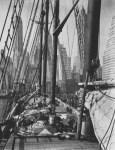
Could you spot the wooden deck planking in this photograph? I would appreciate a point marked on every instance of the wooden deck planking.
(52, 144)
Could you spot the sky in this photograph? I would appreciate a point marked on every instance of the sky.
(70, 42)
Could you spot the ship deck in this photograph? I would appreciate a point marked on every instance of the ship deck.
(48, 143)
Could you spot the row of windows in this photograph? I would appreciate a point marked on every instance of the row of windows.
(112, 39)
(110, 52)
(109, 60)
(108, 75)
(107, 68)
(113, 22)
(112, 43)
(112, 27)
(108, 71)
(106, 63)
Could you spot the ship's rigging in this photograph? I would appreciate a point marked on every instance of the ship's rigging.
(17, 9)
(91, 64)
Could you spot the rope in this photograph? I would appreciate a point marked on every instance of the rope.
(26, 46)
(103, 92)
(95, 77)
(107, 129)
(67, 33)
(5, 19)
(42, 54)
(64, 74)
(35, 40)
(13, 35)
(106, 95)
(26, 32)
(110, 134)
(11, 24)
(29, 21)
(11, 43)
(33, 46)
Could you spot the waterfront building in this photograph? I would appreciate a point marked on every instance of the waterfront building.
(108, 71)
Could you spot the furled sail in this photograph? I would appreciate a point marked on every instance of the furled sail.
(101, 105)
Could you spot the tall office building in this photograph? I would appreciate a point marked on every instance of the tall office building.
(81, 19)
(76, 65)
(25, 68)
(68, 68)
(18, 43)
(66, 62)
(76, 69)
(108, 71)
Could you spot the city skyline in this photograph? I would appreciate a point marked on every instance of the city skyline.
(25, 16)
(107, 12)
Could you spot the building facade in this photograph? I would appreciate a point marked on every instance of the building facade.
(108, 71)
(81, 19)
(18, 44)
(66, 62)
(76, 69)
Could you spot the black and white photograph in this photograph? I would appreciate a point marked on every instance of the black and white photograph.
(57, 74)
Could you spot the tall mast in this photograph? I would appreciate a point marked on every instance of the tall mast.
(56, 31)
(91, 47)
(45, 49)
(54, 58)
(41, 43)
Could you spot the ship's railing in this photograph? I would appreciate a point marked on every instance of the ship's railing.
(65, 105)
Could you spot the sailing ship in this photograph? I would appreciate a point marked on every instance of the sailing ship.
(36, 118)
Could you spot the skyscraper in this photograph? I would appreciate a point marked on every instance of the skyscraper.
(76, 65)
(76, 69)
(68, 68)
(18, 43)
(108, 71)
(66, 62)
(81, 18)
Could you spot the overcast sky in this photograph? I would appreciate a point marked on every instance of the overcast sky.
(107, 12)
